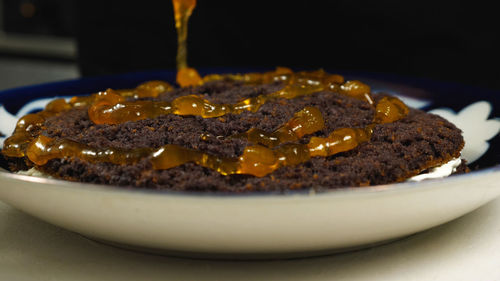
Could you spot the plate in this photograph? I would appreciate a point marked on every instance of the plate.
(265, 225)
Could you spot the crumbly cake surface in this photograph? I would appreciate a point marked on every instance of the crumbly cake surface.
(395, 152)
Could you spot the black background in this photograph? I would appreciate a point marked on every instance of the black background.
(450, 41)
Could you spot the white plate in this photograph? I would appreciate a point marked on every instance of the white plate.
(250, 226)
(263, 225)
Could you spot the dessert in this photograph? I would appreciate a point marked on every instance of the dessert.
(273, 131)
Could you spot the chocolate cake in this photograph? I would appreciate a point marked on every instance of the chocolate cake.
(393, 151)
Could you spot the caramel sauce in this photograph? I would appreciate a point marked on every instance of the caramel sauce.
(186, 76)
(269, 151)
(44, 148)
(148, 89)
(307, 121)
(28, 126)
(389, 109)
(111, 108)
(257, 160)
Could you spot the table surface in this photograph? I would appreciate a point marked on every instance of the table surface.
(30, 249)
(465, 249)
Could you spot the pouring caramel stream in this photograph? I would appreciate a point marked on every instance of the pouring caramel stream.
(186, 76)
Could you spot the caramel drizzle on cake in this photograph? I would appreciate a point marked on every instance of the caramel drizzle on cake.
(28, 127)
(110, 107)
(270, 150)
(257, 160)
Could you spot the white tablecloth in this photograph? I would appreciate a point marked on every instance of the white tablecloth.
(465, 249)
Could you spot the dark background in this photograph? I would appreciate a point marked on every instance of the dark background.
(443, 40)
(440, 39)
